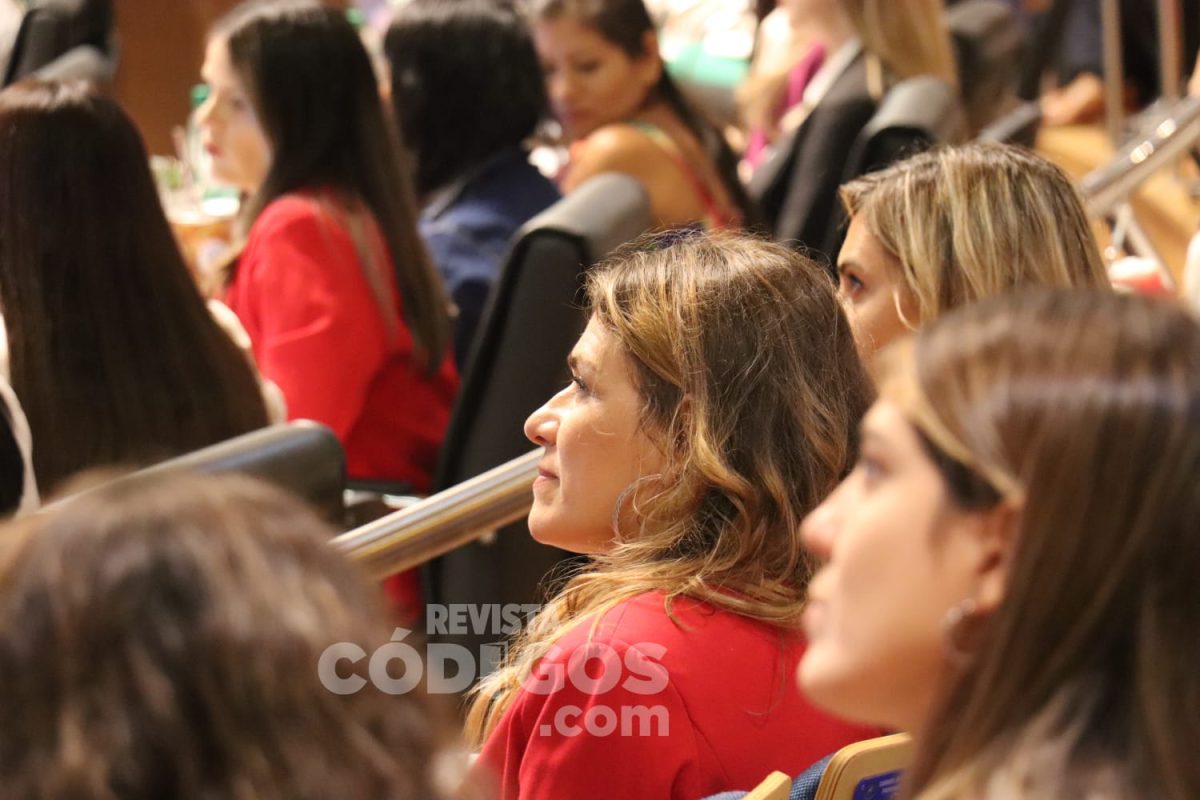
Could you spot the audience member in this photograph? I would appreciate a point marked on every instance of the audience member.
(345, 311)
(827, 38)
(714, 396)
(168, 639)
(622, 112)
(467, 90)
(110, 347)
(1011, 566)
(847, 54)
(952, 226)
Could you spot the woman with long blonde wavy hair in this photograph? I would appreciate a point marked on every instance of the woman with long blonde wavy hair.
(1011, 567)
(713, 403)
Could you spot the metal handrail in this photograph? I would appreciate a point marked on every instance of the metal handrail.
(444, 521)
(1110, 185)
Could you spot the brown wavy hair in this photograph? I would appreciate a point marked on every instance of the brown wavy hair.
(162, 639)
(753, 390)
(1082, 410)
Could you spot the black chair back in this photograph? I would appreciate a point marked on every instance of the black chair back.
(989, 43)
(532, 321)
(302, 457)
(517, 363)
(914, 115)
(64, 40)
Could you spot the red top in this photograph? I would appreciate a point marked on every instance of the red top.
(316, 331)
(658, 711)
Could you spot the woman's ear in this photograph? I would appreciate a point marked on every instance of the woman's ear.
(650, 62)
(997, 531)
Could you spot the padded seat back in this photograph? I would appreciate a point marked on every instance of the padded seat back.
(64, 40)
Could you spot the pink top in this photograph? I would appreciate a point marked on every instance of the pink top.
(798, 80)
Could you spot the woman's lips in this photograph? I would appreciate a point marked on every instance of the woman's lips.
(572, 119)
(544, 476)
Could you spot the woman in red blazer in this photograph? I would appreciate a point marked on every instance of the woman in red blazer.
(345, 312)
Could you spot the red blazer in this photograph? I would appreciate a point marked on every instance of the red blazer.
(661, 709)
(316, 331)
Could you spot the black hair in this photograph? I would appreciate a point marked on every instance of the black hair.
(625, 24)
(466, 84)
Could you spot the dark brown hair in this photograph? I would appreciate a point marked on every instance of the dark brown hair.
(625, 23)
(314, 91)
(113, 353)
(162, 638)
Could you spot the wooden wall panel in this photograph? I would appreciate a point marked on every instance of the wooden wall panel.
(162, 45)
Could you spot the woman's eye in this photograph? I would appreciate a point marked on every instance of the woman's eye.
(850, 285)
(579, 384)
(587, 67)
(871, 469)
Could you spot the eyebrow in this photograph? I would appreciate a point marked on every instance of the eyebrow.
(577, 363)
(867, 434)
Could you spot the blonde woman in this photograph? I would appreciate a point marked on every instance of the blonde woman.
(1011, 566)
(713, 401)
(824, 38)
(846, 54)
(952, 226)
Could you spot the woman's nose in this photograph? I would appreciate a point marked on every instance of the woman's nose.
(819, 528)
(542, 426)
(560, 88)
(204, 112)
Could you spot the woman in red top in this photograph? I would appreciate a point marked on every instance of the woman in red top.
(714, 400)
(343, 307)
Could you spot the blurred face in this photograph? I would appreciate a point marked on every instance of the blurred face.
(872, 290)
(898, 556)
(229, 128)
(595, 447)
(801, 11)
(590, 81)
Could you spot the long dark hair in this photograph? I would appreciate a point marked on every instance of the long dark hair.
(113, 353)
(466, 84)
(625, 24)
(314, 91)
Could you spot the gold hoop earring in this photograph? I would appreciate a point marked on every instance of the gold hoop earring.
(624, 495)
(956, 635)
(900, 312)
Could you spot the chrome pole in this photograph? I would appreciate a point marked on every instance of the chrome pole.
(1114, 69)
(444, 521)
(1170, 48)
